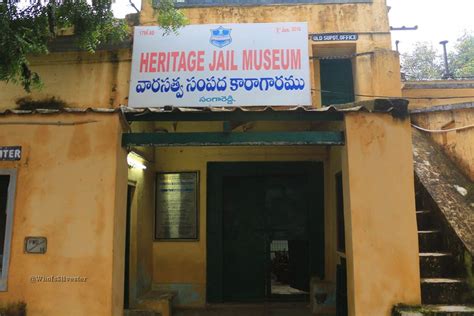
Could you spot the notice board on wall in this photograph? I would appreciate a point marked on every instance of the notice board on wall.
(177, 206)
(250, 64)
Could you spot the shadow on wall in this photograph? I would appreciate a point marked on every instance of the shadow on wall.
(13, 309)
(52, 103)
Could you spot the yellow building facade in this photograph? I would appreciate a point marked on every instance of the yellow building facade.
(72, 185)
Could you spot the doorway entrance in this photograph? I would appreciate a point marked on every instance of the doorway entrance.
(130, 193)
(337, 82)
(265, 230)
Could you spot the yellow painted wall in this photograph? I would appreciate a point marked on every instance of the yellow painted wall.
(70, 186)
(80, 79)
(357, 17)
(426, 94)
(182, 265)
(379, 211)
(458, 145)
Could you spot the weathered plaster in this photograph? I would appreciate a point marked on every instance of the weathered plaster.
(69, 190)
(379, 211)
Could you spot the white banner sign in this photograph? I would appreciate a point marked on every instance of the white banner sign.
(221, 65)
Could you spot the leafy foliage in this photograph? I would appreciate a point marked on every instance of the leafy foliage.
(169, 18)
(462, 60)
(27, 28)
(425, 63)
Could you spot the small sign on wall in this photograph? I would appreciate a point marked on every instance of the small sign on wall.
(177, 206)
(335, 37)
(36, 245)
(10, 153)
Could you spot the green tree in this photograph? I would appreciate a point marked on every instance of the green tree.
(422, 63)
(462, 59)
(425, 63)
(26, 29)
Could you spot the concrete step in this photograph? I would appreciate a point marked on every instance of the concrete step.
(434, 310)
(430, 241)
(444, 291)
(250, 309)
(424, 220)
(437, 265)
(139, 312)
(160, 302)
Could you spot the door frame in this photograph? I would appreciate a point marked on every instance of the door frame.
(131, 190)
(216, 171)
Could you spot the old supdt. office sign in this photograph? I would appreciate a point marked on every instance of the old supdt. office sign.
(221, 65)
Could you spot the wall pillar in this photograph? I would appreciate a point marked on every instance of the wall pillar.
(377, 75)
(379, 211)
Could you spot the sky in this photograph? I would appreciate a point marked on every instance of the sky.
(437, 20)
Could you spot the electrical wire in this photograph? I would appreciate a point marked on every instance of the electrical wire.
(58, 123)
(398, 97)
(442, 130)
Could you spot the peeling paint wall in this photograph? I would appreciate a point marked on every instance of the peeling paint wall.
(70, 189)
(358, 17)
(80, 79)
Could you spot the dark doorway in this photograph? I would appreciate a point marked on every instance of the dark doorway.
(126, 297)
(265, 230)
(244, 240)
(4, 183)
(337, 84)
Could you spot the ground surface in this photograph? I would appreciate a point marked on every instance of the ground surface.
(264, 309)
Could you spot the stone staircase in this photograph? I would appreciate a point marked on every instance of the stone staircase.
(444, 288)
(442, 280)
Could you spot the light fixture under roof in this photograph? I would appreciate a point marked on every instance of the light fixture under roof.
(135, 161)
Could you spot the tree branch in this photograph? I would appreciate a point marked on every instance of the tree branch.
(134, 6)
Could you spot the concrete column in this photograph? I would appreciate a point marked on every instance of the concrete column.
(379, 210)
